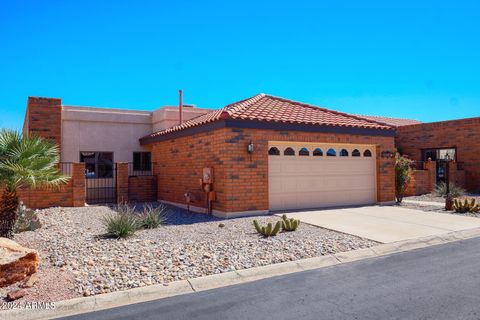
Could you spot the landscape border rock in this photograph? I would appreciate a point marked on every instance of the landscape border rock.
(16, 262)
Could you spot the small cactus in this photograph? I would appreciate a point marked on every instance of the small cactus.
(465, 206)
(289, 224)
(269, 230)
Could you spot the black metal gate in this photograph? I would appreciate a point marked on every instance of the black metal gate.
(101, 190)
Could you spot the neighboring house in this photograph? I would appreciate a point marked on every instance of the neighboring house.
(263, 153)
(457, 140)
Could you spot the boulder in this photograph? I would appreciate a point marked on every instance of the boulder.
(16, 262)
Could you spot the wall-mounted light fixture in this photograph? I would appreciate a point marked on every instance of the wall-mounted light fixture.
(250, 147)
(387, 154)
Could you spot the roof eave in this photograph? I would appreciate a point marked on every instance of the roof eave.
(269, 125)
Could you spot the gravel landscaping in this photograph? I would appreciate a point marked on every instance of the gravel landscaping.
(434, 198)
(430, 197)
(78, 260)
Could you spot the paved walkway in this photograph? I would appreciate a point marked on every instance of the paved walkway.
(386, 224)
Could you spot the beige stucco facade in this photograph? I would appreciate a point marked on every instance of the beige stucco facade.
(114, 130)
(167, 117)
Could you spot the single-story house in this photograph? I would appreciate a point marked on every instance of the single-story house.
(261, 154)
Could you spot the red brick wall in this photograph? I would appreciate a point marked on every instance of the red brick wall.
(463, 134)
(44, 118)
(70, 195)
(241, 179)
(418, 183)
(456, 176)
(122, 181)
(142, 188)
(422, 181)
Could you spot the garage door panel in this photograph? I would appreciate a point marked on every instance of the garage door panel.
(298, 182)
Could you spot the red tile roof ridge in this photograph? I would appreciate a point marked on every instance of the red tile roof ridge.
(238, 110)
(390, 120)
(324, 109)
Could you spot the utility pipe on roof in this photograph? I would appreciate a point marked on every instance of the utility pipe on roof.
(180, 105)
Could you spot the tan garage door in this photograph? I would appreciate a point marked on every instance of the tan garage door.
(309, 175)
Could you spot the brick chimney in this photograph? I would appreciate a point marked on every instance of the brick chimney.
(44, 118)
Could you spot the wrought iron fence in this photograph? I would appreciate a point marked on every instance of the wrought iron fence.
(143, 169)
(101, 190)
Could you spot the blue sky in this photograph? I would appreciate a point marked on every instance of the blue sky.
(416, 59)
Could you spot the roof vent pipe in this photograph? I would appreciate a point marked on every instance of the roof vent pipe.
(180, 105)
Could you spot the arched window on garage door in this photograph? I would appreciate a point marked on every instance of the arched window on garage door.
(318, 152)
(367, 153)
(356, 153)
(289, 152)
(343, 153)
(273, 151)
(304, 152)
(331, 153)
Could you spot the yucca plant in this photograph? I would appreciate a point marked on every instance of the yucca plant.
(153, 217)
(123, 221)
(25, 162)
(455, 191)
(121, 224)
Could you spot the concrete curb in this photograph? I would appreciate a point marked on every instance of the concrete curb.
(131, 296)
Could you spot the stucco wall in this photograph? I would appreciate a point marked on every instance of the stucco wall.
(110, 130)
(114, 130)
(167, 117)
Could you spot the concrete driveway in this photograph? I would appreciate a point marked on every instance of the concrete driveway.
(386, 224)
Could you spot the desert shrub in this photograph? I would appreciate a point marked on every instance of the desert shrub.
(403, 173)
(455, 191)
(27, 219)
(153, 217)
(125, 208)
(122, 223)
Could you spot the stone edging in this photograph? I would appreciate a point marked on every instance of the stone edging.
(149, 293)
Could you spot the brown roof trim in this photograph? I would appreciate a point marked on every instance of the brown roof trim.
(250, 124)
(471, 120)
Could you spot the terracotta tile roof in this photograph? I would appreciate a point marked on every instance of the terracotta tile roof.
(268, 108)
(396, 122)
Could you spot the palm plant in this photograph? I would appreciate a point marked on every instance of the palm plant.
(25, 162)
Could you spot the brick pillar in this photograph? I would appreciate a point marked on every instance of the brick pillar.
(122, 181)
(457, 177)
(43, 118)
(431, 167)
(79, 187)
(385, 177)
